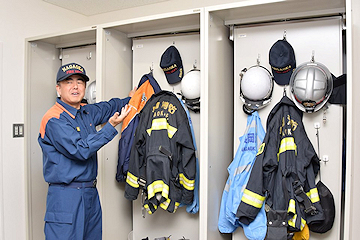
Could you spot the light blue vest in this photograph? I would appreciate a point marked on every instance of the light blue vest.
(239, 173)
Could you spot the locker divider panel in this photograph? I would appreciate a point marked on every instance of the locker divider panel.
(220, 118)
(115, 82)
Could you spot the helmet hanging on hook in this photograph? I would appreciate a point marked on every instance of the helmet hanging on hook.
(311, 85)
(190, 89)
(256, 87)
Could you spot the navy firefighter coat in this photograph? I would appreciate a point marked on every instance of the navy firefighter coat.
(286, 162)
(162, 155)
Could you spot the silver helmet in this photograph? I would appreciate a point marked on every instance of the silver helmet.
(311, 85)
(256, 86)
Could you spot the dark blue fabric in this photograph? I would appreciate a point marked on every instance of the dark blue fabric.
(70, 141)
(73, 214)
(127, 135)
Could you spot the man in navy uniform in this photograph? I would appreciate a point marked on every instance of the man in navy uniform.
(70, 141)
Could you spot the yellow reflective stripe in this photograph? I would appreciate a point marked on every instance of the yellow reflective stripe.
(177, 204)
(253, 199)
(303, 223)
(188, 184)
(291, 207)
(292, 221)
(148, 209)
(261, 149)
(171, 130)
(162, 124)
(158, 186)
(164, 205)
(132, 180)
(313, 195)
(287, 144)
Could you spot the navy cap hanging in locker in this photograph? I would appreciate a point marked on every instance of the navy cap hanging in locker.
(282, 61)
(171, 64)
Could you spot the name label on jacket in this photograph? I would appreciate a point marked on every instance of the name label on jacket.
(162, 109)
(288, 128)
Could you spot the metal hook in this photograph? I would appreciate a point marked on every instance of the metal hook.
(312, 56)
(284, 93)
(284, 35)
(324, 113)
(194, 65)
(258, 60)
(89, 57)
(152, 68)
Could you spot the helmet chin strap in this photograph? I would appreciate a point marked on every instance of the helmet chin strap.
(247, 110)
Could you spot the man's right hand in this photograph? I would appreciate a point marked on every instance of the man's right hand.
(118, 118)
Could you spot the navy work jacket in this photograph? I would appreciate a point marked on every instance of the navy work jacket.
(69, 139)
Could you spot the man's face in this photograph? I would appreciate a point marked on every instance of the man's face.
(72, 90)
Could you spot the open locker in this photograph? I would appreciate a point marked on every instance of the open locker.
(146, 42)
(254, 29)
(44, 57)
(307, 38)
(202, 42)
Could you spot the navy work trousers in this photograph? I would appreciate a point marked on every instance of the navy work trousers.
(73, 213)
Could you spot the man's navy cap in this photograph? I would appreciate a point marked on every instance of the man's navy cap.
(70, 69)
(171, 64)
(282, 61)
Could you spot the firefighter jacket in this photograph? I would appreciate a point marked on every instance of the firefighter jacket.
(162, 157)
(146, 88)
(286, 163)
(69, 139)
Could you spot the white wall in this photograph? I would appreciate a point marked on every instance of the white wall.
(18, 20)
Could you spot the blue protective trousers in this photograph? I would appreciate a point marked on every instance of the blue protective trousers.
(73, 214)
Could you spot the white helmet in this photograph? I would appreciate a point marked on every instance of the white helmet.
(256, 86)
(311, 85)
(90, 94)
(190, 84)
(190, 89)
